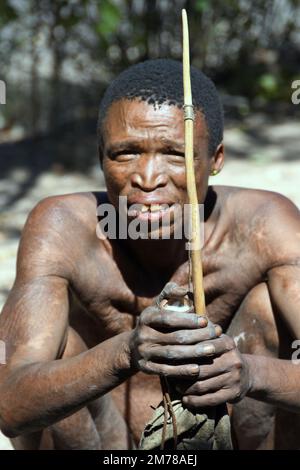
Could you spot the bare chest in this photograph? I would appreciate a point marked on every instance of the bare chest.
(115, 297)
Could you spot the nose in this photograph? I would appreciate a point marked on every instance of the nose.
(149, 174)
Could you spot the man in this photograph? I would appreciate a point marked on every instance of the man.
(86, 340)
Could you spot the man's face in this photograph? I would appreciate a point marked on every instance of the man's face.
(143, 157)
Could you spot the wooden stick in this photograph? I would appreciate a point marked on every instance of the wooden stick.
(197, 274)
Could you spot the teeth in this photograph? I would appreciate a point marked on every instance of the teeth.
(155, 207)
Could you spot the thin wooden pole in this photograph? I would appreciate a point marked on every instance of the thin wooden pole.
(195, 245)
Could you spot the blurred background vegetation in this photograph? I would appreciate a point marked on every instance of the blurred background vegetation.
(56, 58)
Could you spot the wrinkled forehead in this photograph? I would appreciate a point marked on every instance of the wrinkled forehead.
(137, 118)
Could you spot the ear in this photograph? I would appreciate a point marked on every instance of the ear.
(217, 161)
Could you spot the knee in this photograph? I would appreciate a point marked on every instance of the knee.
(257, 298)
(254, 325)
(74, 344)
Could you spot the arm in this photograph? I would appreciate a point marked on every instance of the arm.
(277, 381)
(229, 376)
(36, 388)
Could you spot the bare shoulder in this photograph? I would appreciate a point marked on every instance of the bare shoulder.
(65, 209)
(244, 202)
(268, 219)
(267, 205)
(57, 231)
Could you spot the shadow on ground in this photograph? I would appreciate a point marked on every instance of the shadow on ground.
(72, 147)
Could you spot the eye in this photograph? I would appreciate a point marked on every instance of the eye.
(124, 155)
(178, 154)
(175, 156)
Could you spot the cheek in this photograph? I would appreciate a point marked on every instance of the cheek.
(201, 175)
(178, 176)
(202, 171)
(115, 176)
(202, 167)
(177, 181)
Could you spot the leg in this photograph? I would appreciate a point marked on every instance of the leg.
(96, 426)
(257, 329)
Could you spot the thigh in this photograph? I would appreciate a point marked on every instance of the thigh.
(257, 329)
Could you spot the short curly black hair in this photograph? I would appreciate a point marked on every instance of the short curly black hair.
(160, 81)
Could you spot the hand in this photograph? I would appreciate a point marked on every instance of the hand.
(224, 379)
(170, 343)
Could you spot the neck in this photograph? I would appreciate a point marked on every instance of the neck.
(211, 212)
(166, 255)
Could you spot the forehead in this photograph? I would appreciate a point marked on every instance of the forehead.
(139, 119)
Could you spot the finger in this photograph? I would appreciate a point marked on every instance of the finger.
(218, 329)
(209, 368)
(178, 353)
(207, 386)
(187, 352)
(220, 345)
(194, 402)
(176, 298)
(215, 366)
(172, 291)
(187, 370)
(188, 336)
(156, 318)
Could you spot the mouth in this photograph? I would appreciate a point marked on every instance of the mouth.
(150, 212)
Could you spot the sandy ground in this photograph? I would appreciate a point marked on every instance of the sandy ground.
(262, 155)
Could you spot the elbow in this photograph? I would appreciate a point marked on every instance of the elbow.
(8, 428)
(14, 417)
(13, 428)
(14, 423)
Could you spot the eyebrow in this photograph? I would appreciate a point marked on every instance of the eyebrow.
(124, 145)
(137, 145)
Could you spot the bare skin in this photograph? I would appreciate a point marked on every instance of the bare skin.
(85, 341)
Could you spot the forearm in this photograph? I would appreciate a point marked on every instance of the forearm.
(37, 395)
(275, 381)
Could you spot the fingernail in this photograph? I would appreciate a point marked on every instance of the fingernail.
(202, 321)
(212, 331)
(209, 349)
(181, 288)
(206, 349)
(218, 330)
(195, 369)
